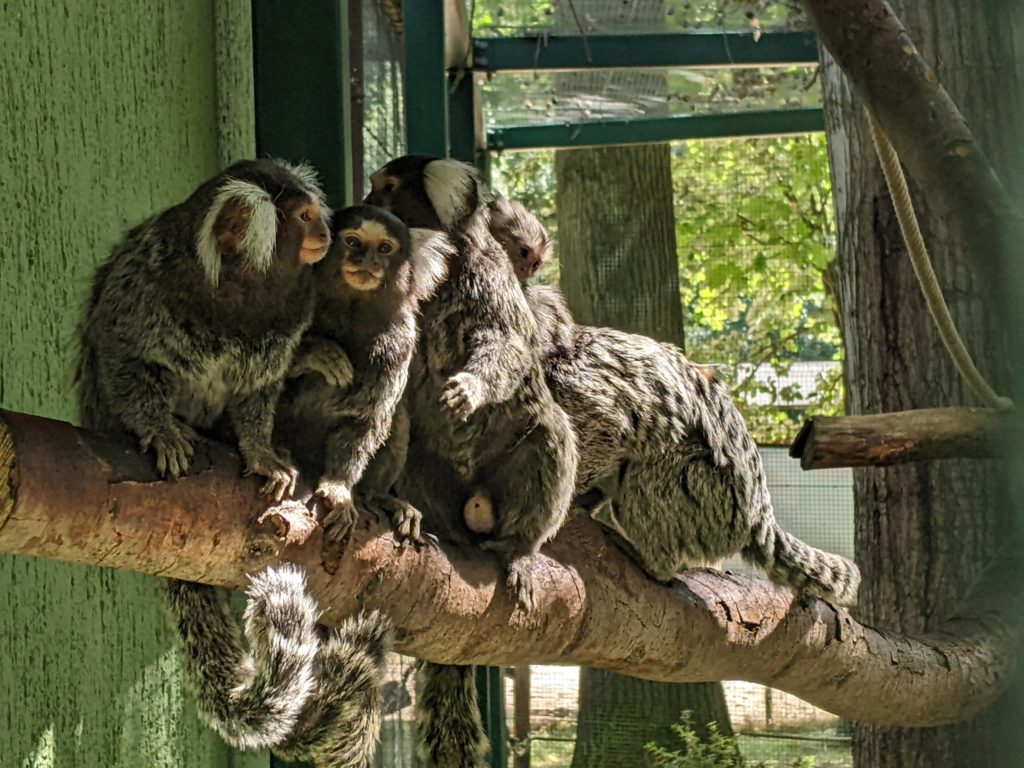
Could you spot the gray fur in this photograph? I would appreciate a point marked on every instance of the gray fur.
(345, 435)
(498, 431)
(307, 692)
(171, 344)
(449, 733)
(682, 479)
(497, 428)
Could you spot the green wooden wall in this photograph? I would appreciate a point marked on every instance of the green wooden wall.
(108, 111)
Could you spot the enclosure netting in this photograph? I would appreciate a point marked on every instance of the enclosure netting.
(755, 242)
(547, 97)
(383, 130)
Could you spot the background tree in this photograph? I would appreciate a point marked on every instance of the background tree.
(619, 268)
(924, 531)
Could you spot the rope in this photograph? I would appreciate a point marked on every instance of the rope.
(909, 227)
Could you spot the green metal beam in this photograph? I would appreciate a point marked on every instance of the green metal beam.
(656, 129)
(426, 81)
(490, 689)
(667, 49)
(301, 85)
(463, 108)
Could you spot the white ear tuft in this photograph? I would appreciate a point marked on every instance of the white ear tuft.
(453, 189)
(308, 176)
(260, 236)
(430, 253)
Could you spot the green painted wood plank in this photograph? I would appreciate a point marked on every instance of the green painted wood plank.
(426, 82)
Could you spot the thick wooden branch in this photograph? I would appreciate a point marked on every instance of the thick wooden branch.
(72, 495)
(924, 125)
(880, 440)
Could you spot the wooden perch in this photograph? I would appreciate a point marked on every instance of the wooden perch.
(72, 495)
(884, 439)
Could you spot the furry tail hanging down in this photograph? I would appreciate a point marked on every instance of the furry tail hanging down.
(449, 732)
(252, 699)
(806, 569)
(308, 692)
(340, 725)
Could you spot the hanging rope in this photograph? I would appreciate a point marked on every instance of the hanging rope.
(897, 184)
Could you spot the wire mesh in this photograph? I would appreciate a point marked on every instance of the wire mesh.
(755, 239)
(383, 129)
(574, 17)
(548, 97)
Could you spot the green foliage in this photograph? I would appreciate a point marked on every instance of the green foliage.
(712, 751)
(755, 235)
(754, 228)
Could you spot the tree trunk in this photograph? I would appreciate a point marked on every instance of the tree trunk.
(619, 268)
(923, 531)
(617, 239)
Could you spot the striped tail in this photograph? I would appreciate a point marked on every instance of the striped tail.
(796, 564)
(252, 699)
(448, 727)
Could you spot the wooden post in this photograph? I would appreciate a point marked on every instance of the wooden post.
(522, 716)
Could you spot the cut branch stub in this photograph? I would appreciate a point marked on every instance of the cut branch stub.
(72, 495)
(880, 440)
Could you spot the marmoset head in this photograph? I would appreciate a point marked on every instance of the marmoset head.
(429, 192)
(372, 245)
(521, 235)
(259, 215)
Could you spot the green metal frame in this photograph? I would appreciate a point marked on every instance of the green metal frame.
(667, 49)
(657, 129)
(300, 63)
(426, 83)
(490, 691)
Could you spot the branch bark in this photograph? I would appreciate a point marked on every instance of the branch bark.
(72, 495)
(928, 131)
(881, 440)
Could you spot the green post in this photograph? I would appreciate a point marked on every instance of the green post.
(463, 108)
(302, 88)
(490, 689)
(426, 83)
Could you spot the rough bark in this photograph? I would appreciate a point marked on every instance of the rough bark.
(924, 531)
(921, 95)
(619, 268)
(615, 224)
(905, 436)
(70, 495)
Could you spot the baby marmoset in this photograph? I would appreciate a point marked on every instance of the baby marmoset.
(191, 324)
(683, 480)
(497, 426)
(368, 292)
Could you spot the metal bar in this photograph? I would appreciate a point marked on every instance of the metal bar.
(462, 111)
(300, 69)
(357, 103)
(656, 129)
(426, 82)
(490, 688)
(663, 49)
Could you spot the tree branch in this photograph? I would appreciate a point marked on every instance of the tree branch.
(72, 495)
(930, 135)
(881, 440)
